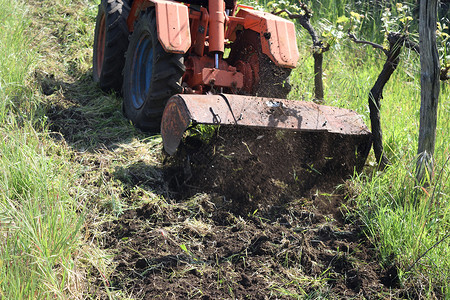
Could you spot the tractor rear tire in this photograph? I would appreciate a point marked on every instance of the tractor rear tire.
(151, 75)
(273, 79)
(110, 44)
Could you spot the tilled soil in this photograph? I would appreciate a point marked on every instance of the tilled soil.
(228, 234)
(213, 254)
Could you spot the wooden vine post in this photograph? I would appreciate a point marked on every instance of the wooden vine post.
(429, 81)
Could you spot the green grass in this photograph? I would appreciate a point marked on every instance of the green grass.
(403, 219)
(38, 219)
(17, 58)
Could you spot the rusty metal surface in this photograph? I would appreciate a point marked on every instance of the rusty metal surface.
(176, 119)
(277, 35)
(172, 20)
(183, 110)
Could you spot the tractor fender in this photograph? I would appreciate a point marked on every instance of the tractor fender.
(278, 36)
(172, 22)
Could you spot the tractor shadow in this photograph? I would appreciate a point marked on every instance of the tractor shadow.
(111, 149)
(87, 118)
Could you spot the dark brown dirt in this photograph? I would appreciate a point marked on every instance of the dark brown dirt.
(298, 251)
(262, 169)
(244, 226)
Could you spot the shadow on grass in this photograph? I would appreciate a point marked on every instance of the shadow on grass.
(91, 122)
(87, 118)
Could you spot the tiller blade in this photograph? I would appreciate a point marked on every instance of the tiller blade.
(185, 109)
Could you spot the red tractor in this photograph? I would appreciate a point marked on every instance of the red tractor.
(205, 61)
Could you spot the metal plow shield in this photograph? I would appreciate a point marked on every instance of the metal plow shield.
(183, 110)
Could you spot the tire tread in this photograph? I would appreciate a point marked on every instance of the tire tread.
(116, 44)
(168, 69)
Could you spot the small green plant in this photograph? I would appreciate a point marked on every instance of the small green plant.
(204, 132)
(294, 8)
(184, 248)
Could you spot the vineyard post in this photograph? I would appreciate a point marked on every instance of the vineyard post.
(429, 80)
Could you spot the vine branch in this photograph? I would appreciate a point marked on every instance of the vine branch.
(318, 47)
(396, 42)
(374, 45)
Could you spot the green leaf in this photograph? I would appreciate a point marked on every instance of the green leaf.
(342, 19)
